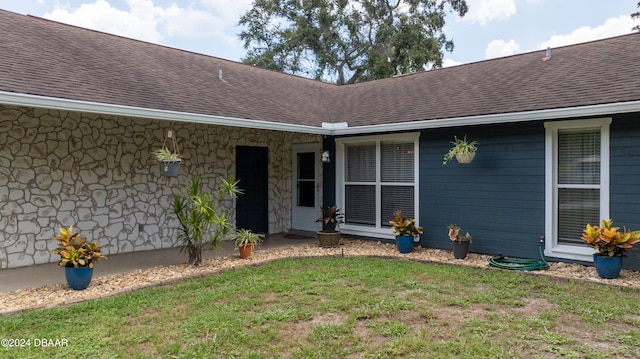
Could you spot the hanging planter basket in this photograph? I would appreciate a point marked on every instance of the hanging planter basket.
(465, 157)
(169, 168)
(169, 159)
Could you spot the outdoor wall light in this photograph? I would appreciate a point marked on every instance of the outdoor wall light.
(325, 157)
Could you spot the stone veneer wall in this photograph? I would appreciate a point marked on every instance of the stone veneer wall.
(97, 172)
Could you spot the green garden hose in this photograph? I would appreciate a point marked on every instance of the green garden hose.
(518, 263)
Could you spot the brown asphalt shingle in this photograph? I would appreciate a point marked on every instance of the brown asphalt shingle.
(47, 58)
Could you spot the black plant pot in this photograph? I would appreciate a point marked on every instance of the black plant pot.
(460, 249)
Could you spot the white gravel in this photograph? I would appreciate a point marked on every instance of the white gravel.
(57, 295)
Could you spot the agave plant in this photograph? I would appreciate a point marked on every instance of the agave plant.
(609, 241)
(74, 250)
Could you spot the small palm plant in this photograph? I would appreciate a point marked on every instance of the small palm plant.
(201, 217)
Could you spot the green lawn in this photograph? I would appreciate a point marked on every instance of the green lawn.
(342, 307)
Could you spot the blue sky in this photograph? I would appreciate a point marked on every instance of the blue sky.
(492, 28)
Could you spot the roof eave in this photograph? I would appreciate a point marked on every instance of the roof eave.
(526, 116)
(17, 99)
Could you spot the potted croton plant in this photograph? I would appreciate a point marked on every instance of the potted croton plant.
(405, 230)
(331, 217)
(610, 244)
(459, 242)
(463, 151)
(77, 256)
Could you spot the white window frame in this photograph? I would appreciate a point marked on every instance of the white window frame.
(378, 230)
(552, 247)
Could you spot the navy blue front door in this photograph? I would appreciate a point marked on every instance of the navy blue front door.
(252, 171)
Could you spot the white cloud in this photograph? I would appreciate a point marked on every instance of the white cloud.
(446, 62)
(148, 22)
(485, 11)
(612, 27)
(501, 48)
(101, 16)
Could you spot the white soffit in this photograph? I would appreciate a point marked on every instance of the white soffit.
(110, 109)
(337, 128)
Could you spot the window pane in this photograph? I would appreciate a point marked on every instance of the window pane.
(576, 208)
(361, 163)
(360, 204)
(306, 165)
(306, 194)
(396, 197)
(579, 157)
(396, 162)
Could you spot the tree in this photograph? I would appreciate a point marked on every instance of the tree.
(347, 41)
(635, 16)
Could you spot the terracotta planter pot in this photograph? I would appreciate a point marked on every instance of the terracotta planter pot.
(246, 251)
(329, 239)
(460, 249)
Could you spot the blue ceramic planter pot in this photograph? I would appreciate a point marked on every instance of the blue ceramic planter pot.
(607, 267)
(78, 278)
(169, 168)
(404, 244)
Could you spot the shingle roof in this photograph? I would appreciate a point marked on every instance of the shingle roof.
(47, 58)
(598, 72)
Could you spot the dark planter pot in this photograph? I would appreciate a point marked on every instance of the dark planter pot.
(460, 249)
(169, 168)
(607, 267)
(404, 244)
(246, 250)
(78, 278)
(329, 239)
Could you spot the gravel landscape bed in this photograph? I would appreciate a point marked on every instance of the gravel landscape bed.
(57, 295)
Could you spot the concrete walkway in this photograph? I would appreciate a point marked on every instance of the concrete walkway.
(49, 274)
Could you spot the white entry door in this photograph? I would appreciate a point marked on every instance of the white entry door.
(305, 187)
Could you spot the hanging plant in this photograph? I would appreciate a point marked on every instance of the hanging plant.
(462, 150)
(168, 159)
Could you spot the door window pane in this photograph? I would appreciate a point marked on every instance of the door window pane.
(306, 181)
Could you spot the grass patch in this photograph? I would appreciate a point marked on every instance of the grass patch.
(343, 307)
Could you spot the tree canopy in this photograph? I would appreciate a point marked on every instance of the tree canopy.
(347, 41)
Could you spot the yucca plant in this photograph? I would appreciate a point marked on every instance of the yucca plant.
(201, 217)
(609, 241)
(74, 250)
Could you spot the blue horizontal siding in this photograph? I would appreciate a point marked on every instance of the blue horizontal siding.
(498, 198)
(625, 178)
